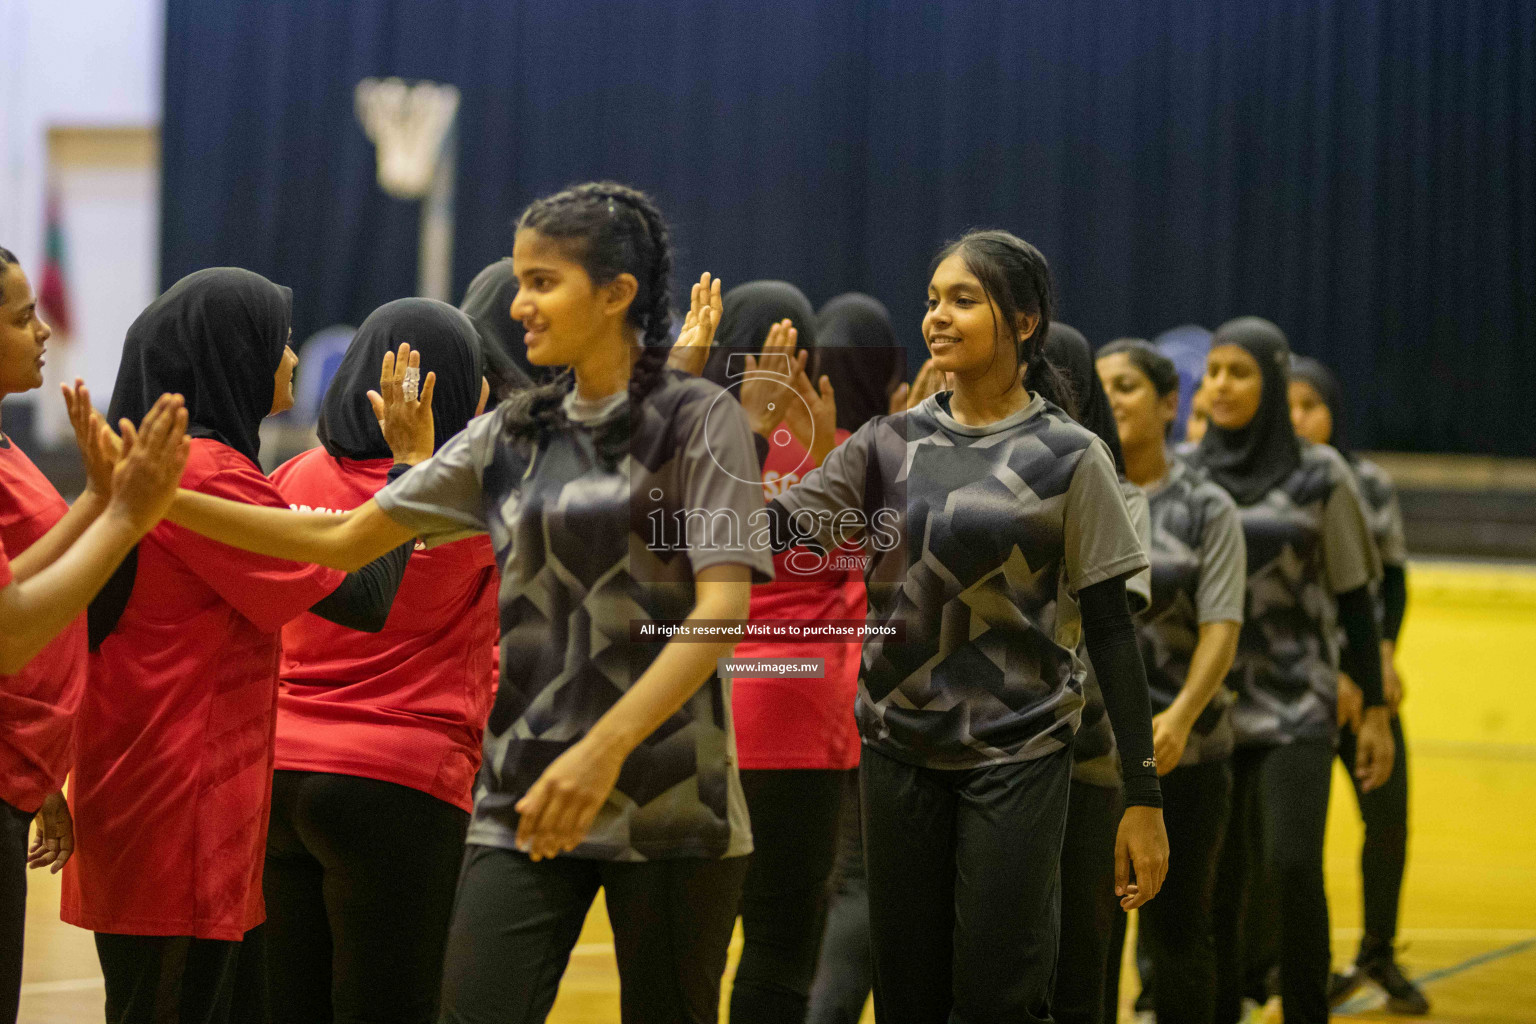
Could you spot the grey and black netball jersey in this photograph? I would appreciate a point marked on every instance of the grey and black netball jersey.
(1307, 540)
(583, 568)
(1382, 511)
(973, 533)
(1199, 569)
(1095, 755)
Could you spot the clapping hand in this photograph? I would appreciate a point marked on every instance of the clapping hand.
(87, 424)
(765, 394)
(705, 308)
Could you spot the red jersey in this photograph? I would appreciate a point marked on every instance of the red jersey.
(173, 778)
(37, 704)
(801, 723)
(406, 704)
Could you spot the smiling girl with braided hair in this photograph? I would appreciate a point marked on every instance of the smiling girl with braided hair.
(609, 758)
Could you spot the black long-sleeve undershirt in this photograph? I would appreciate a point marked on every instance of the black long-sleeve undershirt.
(1394, 596)
(1110, 637)
(1362, 651)
(363, 599)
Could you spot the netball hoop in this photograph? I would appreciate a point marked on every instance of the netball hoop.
(412, 128)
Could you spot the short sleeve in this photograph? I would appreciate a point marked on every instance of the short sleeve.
(441, 499)
(5, 567)
(267, 591)
(1223, 564)
(1138, 589)
(720, 473)
(1389, 527)
(835, 486)
(1099, 540)
(1349, 552)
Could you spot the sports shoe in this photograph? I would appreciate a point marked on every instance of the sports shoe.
(1403, 996)
(1342, 986)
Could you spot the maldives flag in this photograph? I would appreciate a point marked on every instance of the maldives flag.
(52, 292)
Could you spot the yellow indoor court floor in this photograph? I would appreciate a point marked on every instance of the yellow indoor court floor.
(1468, 931)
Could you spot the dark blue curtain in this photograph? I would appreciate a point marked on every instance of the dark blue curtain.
(1362, 173)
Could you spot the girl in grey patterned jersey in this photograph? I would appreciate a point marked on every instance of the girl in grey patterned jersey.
(1310, 562)
(1315, 397)
(1188, 640)
(609, 756)
(1004, 507)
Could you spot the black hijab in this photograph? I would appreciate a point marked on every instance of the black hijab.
(216, 337)
(450, 347)
(1327, 387)
(1252, 461)
(750, 309)
(856, 347)
(1069, 352)
(488, 303)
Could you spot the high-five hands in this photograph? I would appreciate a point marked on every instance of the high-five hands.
(404, 416)
(705, 308)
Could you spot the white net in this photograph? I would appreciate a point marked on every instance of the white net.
(408, 125)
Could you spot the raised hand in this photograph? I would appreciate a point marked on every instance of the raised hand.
(705, 308)
(765, 393)
(87, 423)
(813, 419)
(930, 381)
(150, 462)
(404, 417)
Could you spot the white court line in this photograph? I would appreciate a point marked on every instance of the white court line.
(1434, 934)
(46, 988)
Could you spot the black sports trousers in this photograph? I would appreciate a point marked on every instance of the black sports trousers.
(1177, 926)
(177, 979)
(359, 883)
(15, 825)
(964, 888)
(1273, 856)
(844, 973)
(515, 923)
(784, 898)
(1384, 851)
(1088, 902)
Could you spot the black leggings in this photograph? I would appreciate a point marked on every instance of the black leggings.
(359, 886)
(515, 923)
(14, 828)
(1272, 866)
(784, 898)
(964, 888)
(176, 979)
(1177, 927)
(1088, 902)
(844, 974)
(1384, 853)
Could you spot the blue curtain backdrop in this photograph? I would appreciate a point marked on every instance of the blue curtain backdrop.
(1363, 173)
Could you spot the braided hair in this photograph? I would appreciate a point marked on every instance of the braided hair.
(1016, 279)
(610, 229)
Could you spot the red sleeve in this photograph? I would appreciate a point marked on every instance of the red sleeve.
(267, 591)
(5, 567)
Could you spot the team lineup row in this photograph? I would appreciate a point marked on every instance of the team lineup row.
(362, 740)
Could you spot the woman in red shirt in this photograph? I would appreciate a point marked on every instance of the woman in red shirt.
(62, 556)
(378, 734)
(173, 771)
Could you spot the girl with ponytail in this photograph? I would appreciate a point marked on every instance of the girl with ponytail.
(997, 537)
(609, 496)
